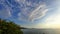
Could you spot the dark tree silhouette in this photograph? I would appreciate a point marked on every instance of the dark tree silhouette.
(9, 27)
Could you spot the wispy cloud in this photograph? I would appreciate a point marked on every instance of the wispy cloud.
(30, 14)
(38, 12)
(52, 21)
(26, 10)
(4, 11)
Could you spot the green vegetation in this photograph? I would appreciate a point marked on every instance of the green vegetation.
(8, 27)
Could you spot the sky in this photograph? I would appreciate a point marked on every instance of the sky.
(32, 13)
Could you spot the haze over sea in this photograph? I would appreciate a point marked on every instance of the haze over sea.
(41, 31)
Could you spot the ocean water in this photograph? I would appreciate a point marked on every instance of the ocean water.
(41, 31)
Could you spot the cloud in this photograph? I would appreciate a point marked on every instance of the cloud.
(26, 10)
(38, 12)
(33, 11)
(4, 11)
(52, 21)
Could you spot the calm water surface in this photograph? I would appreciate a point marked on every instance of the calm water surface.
(41, 31)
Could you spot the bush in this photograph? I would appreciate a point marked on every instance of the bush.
(9, 28)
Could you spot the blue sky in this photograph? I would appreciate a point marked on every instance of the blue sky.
(31, 13)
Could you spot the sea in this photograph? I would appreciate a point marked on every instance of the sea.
(41, 31)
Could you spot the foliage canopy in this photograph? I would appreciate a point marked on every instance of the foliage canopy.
(9, 27)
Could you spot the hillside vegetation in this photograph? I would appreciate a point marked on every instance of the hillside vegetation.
(8, 27)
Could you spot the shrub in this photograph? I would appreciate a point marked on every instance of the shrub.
(9, 27)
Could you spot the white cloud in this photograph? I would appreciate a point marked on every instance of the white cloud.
(38, 12)
(5, 14)
(34, 13)
(52, 21)
(20, 1)
(30, 11)
(5, 11)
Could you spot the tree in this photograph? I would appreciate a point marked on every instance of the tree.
(9, 27)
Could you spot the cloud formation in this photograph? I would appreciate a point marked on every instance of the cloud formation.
(26, 10)
(38, 12)
(4, 10)
(33, 11)
(52, 21)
